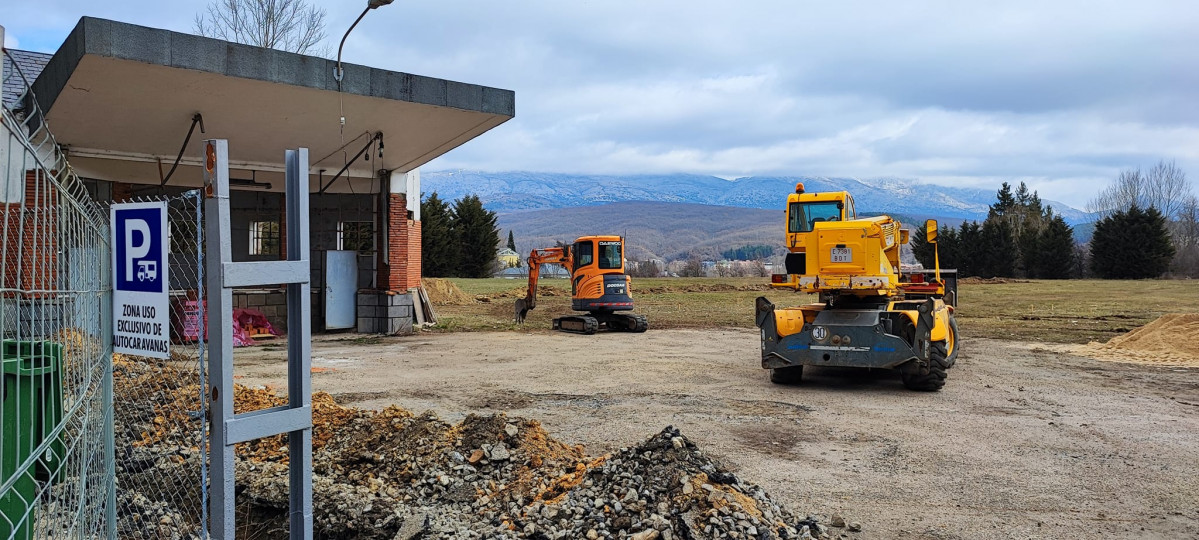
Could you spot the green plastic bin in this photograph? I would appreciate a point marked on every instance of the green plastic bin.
(30, 408)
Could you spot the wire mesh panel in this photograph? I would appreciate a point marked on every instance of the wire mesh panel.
(160, 406)
(56, 454)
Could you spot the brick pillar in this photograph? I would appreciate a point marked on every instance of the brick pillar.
(402, 270)
(32, 233)
(121, 192)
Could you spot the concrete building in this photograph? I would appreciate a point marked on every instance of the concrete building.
(122, 99)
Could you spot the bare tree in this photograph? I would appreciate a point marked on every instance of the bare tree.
(1184, 232)
(289, 25)
(1164, 187)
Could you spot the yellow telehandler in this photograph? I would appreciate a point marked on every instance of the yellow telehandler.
(870, 314)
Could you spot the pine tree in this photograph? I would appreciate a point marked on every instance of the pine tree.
(998, 257)
(1028, 245)
(439, 250)
(1054, 254)
(1004, 204)
(922, 249)
(1133, 244)
(968, 256)
(477, 237)
(511, 241)
(948, 246)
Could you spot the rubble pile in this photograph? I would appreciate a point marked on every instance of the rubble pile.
(157, 442)
(393, 474)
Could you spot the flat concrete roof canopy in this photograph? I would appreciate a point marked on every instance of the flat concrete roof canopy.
(121, 97)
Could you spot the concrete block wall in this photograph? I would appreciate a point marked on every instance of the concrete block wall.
(384, 313)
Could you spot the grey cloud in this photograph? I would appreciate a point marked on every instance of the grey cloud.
(1062, 94)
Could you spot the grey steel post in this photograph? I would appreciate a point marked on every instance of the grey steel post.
(226, 429)
(299, 346)
(218, 251)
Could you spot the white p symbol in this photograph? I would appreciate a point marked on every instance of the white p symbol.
(138, 251)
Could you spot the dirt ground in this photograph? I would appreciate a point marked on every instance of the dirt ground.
(1025, 441)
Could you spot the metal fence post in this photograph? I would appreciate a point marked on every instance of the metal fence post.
(110, 455)
(299, 346)
(220, 339)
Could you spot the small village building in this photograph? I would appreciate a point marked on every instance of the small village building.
(508, 258)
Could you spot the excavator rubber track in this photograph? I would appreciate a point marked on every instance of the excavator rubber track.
(579, 324)
(628, 323)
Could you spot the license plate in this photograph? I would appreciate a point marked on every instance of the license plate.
(841, 255)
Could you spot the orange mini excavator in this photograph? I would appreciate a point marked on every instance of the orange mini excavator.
(598, 284)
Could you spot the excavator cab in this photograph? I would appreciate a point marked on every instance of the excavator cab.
(598, 281)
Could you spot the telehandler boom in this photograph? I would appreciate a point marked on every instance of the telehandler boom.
(870, 314)
(598, 284)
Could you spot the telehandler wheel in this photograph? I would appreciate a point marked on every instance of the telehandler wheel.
(786, 375)
(932, 381)
(954, 344)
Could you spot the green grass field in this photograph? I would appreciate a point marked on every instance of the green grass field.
(1075, 311)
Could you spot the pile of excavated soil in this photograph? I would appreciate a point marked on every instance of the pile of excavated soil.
(520, 292)
(701, 288)
(975, 280)
(393, 474)
(443, 292)
(1171, 340)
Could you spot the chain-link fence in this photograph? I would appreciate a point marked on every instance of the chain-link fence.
(56, 453)
(160, 407)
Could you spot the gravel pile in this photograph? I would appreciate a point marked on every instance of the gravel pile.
(393, 475)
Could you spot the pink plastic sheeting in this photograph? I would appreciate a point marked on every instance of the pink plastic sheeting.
(243, 317)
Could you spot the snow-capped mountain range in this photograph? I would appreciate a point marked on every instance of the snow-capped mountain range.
(508, 192)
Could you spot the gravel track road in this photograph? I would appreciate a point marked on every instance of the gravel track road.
(1025, 441)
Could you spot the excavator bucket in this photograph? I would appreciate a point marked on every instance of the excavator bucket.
(521, 310)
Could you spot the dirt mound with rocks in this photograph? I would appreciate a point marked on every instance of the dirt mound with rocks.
(975, 280)
(520, 292)
(444, 292)
(392, 474)
(701, 288)
(1171, 340)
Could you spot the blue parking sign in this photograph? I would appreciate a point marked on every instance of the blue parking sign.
(141, 280)
(139, 242)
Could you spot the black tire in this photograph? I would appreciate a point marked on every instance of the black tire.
(957, 342)
(786, 375)
(934, 380)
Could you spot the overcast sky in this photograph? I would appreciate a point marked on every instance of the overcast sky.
(1062, 95)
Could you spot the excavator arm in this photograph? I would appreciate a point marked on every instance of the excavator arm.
(538, 257)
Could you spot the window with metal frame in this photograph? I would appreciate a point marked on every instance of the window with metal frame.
(583, 254)
(264, 238)
(804, 216)
(356, 236)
